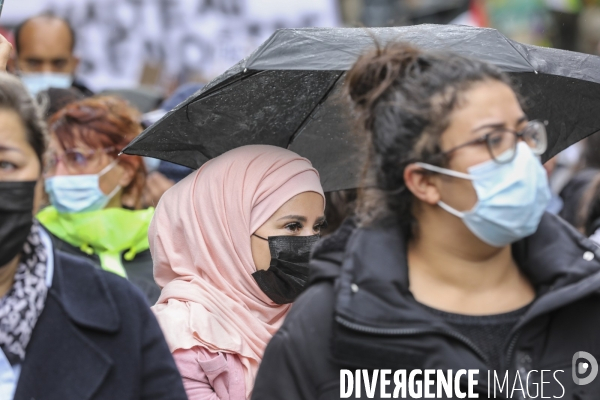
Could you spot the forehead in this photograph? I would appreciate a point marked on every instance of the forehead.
(488, 100)
(45, 36)
(12, 130)
(69, 142)
(305, 204)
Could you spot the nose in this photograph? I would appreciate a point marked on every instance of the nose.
(60, 168)
(308, 231)
(46, 68)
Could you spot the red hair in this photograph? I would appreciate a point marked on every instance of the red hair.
(101, 123)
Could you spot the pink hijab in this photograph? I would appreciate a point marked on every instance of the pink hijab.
(200, 244)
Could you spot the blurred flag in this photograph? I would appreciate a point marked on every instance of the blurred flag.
(479, 13)
(476, 16)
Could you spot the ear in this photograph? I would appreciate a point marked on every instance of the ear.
(75, 61)
(422, 184)
(11, 65)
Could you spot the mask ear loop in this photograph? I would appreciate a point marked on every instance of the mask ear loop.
(451, 210)
(110, 166)
(444, 171)
(114, 191)
(106, 170)
(448, 172)
(260, 237)
(439, 170)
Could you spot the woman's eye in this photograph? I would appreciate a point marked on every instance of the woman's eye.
(77, 159)
(7, 166)
(294, 227)
(320, 226)
(495, 139)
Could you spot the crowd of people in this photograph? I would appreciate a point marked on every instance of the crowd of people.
(130, 278)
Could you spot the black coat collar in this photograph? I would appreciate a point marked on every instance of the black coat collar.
(85, 297)
(61, 362)
(562, 265)
(373, 297)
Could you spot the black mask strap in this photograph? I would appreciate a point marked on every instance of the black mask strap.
(260, 237)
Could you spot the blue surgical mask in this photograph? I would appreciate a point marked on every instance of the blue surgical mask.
(38, 82)
(79, 193)
(511, 197)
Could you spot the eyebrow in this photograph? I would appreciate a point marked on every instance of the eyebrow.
(499, 125)
(300, 218)
(8, 148)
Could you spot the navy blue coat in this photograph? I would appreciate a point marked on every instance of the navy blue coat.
(96, 339)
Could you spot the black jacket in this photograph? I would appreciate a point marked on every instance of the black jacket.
(358, 313)
(573, 192)
(96, 339)
(139, 270)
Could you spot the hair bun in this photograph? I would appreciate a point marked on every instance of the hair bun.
(376, 71)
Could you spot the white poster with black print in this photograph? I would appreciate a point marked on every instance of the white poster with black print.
(186, 38)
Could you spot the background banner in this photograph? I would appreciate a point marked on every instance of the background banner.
(125, 42)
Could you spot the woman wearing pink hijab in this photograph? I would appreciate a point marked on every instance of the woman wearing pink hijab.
(230, 245)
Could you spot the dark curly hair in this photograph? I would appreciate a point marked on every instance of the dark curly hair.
(403, 98)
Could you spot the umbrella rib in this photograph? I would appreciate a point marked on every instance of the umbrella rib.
(518, 52)
(222, 85)
(305, 120)
(201, 149)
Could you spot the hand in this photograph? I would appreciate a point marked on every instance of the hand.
(156, 185)
(5, 52)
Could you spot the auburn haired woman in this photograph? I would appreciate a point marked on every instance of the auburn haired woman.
(95, 194)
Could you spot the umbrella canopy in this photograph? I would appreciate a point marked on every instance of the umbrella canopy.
(288, 94)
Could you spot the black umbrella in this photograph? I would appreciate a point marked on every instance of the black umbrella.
(287, 94)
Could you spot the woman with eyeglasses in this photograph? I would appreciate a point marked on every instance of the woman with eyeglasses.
(95, 194)
(68, 330)
(451, 264)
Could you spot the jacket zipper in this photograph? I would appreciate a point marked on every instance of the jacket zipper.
(511, 349)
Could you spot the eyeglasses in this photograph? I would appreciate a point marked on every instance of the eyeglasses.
(74, 160)
(501, 143)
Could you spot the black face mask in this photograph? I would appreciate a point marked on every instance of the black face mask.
(288, 272)
(16, 218)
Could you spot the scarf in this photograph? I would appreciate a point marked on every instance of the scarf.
(200, 242)
(21, 307)
(107, 233)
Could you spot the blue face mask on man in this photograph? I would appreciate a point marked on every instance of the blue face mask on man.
(38, 82)
(511, 197)
(79, 193)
